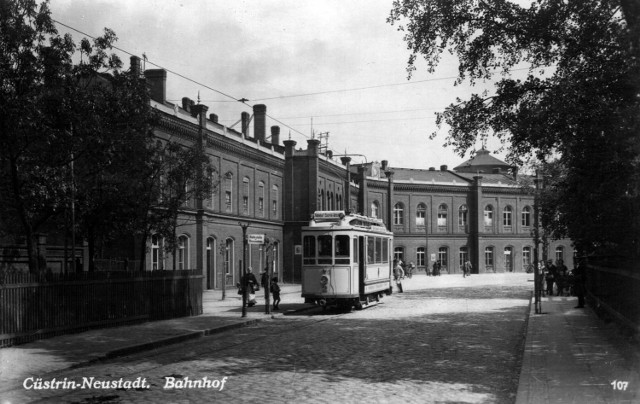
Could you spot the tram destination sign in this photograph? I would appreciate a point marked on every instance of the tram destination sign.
(255, 238)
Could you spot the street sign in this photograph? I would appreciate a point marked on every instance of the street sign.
(255, 238)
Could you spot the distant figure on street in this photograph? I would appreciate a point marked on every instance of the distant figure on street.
(264, 279)
(250, 282)
(410, 269)
(275, 291)
(579, 281)
(398, 274)
(550, 276)
(436, 268)
(467, 269)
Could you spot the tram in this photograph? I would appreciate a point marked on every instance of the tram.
(346, 260)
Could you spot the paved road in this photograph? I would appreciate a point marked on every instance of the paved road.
(437, 345)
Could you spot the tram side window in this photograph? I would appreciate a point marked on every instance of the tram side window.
(385, 250)
(342, 249)
(356, 252)
(378, 250)
(325, 249)
(371, 243)
(309, 249)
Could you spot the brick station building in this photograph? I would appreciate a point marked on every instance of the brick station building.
(478, 210)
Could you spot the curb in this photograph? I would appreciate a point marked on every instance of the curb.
(133, 349)
(137, 348)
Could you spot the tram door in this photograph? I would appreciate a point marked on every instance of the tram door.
(359, 249)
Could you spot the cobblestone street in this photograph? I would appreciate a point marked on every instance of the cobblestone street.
(457, 344)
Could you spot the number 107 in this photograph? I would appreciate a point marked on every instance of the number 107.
(619, 385)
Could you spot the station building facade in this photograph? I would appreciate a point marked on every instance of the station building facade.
(478, 211)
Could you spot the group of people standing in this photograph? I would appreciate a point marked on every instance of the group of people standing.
(249, 280)
(564, 282)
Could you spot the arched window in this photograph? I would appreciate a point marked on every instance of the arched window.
(526, 258)
(442, 217)
(526, 216)
(488, 216)
(398, 214)
(246, 185)
(420, 256)
(156, 253)
(183, 252)
(228, 192)
(375, 209)
(443, 258)
(506, 217)
(421, 214)
(228, 257)
(275, 197)
(261, 199)
(488, 259)
(322, 200)
(463, 212)
(210, 263)
(464, 256)
(398, 253)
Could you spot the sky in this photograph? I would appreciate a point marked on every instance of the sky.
(330, 66)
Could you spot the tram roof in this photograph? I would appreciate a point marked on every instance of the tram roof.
(338, 218)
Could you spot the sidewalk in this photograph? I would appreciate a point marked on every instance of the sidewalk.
(571, 356)
(73, 350)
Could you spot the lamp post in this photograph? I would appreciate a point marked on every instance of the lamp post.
(243, 278)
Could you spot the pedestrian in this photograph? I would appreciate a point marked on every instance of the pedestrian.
(550, 277)
(579, 279)
(467, 269)
(250, 282)
(410, 269)
(398, 274)
(563, 277)
(275, 291)
(264, 279)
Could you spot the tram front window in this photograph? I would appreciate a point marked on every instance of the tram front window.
(309, 249)
(342, 249)
(325, 244)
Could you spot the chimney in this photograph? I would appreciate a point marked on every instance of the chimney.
(135, 66)
(275, 135)
(443, 168)
(187, 103)
(244, 117)
(157, 83)
(432, 169)
(259, 116)
(329, 154)
(514, 171)
(213, 118)
(384, 164)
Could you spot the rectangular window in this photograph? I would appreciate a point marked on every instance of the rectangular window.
(371, 248)
(261, 206)
(378, 250)
(385, 250)
(356, 252)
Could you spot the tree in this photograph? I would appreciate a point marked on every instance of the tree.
(32, 189)
(79, 137)
(577, 113)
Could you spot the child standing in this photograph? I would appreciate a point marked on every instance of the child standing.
(275, 290)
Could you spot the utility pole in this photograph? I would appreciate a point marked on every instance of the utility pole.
(243, 279)
(536, 242)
